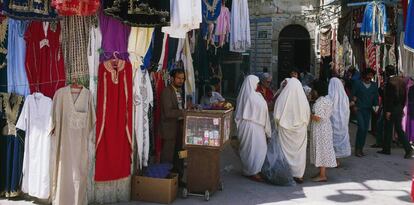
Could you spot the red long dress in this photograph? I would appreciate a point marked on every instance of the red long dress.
(114, 121)
(44, 59)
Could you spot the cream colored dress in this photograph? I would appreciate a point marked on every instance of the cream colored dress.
(73, 120)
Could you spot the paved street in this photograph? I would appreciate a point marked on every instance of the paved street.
(374, 179)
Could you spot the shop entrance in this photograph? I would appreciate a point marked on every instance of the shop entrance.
(294, 50)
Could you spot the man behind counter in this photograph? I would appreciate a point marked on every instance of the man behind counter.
(172, 112)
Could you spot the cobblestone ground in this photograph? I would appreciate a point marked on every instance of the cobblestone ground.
(374, 179)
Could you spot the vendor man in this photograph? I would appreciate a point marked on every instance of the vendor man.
(210, 97)
(172, 112)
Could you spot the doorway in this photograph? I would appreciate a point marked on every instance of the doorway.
(294, 50)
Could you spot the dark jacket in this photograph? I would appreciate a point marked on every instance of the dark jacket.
(366, 97)
(170, 114)
(394, 94)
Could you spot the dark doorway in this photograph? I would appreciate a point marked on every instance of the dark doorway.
(294, 50)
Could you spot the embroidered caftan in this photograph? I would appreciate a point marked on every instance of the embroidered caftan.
(73, 119)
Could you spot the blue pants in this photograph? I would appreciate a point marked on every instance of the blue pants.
(363, 119)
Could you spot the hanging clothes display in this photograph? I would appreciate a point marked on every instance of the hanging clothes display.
(409, 125)
(183, 22)
(409, 28)
(29, 9)
(143, 99)
(114, 121)
(140, 13)
(371, 54)
(190, 87)
(357, 17)
(76, 7)
(3, 53)
(74, 46)
(44, 58)
(240, 26)
(222, 29)
(211, 10)
(138, 44)
(35, 119)
(375, 22)
(73, 119)
(11, 145)
(406, 58)
(16, 74)
(114, 38)
(325, 38)
(94, 46)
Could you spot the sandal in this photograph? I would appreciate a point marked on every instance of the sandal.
(256, 178)
(298, 180)
(319, 179)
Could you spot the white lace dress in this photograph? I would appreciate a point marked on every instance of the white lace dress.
(321, 149)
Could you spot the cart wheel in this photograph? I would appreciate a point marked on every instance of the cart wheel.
(185, 193)
(207, 195)
(221, 186)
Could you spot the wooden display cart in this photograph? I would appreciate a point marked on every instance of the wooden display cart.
(205, 134)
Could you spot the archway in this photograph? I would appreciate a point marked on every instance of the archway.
(294, 50)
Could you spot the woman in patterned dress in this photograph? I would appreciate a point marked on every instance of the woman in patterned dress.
(322, 150)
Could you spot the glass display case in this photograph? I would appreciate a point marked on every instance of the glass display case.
(207, 128)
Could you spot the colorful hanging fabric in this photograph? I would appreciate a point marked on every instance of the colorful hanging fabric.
(75, 47)
(325, 38)
(357, 17)
(371, 54)
(138, 44)
(44, 59)
(76, 7)
(114, 121)
(94, 45)
(29, 10)
(409, 28)
(3, 53)
(375, 22)
(211, 10)
(222, 29)
(16, 73)
(115, 36)
(240, 26)
(11, 145)
(140, 13)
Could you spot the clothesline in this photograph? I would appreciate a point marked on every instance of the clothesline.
(31, 84)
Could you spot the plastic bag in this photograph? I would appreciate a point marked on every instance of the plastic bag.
(276, 169)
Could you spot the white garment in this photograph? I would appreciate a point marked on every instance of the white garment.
(252, 106)
(340, 118)
(94, 44)
(36, 120)
(292, 115)
(322, 150)
(215, 98)
(239, 26)
(138, 43)
(185, 16)
(143, 99)
(190, 87)
(253, 146)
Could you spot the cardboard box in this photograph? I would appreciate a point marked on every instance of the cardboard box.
(154, 190)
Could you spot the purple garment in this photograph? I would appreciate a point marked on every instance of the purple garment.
(409, 117)
(115, 36)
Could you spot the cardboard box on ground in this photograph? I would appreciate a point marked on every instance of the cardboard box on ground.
(154, 189)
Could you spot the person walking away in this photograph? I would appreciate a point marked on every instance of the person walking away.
(364, 96)
(340, 119)
(292, 116)
(172, 113)
(322, 149)
(394, 102)
(253, 128)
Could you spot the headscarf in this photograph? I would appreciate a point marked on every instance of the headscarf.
(251, 105)
(265, 76)
(340, 114)
(292, 109)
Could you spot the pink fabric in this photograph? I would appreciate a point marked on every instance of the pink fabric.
(223, 25)
(407, 122)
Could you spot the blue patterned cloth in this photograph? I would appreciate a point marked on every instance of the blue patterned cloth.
(375, 23)
(409, 28)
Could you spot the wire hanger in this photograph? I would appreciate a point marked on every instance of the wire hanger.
(75, 87)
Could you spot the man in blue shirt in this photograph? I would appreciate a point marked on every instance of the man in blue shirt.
(364, 96)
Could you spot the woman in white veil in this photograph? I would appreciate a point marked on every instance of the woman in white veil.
(340, 118)
(292, 116)
(253, 127)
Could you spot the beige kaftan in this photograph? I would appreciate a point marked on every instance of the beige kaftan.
(74, 120)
